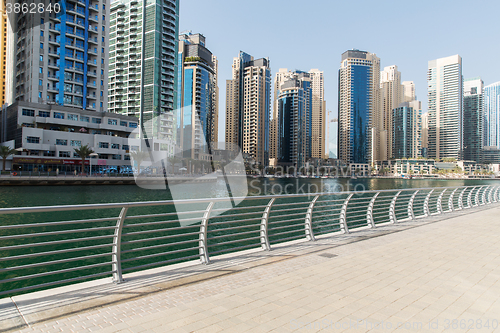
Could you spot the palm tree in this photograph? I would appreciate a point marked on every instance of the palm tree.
(5, 152)
(83, 152)
(173, 161)
(139, 157)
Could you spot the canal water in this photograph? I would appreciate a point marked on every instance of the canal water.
(160, 239)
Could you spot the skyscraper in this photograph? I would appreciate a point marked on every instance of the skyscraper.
(248, 107)
(63, 58)
(3, 52)
(391, 95)
(473, 119)
(317, 147)
(409, 93)
(359, 81)
(143, 50)
(407, 129)
(197, 102)
(445, 93)
(294, 118)
(492, 115)
(425, 134)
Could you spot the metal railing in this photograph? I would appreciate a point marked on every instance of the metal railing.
(42, 247)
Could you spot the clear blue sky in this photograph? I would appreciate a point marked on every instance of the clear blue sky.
(313, 34)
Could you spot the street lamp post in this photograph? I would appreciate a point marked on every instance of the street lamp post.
(90, 158)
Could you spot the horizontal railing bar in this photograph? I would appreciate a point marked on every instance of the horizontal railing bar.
(353, 222)
(41, 254)
(286, 215)
(67, 270)
(233, 235)
(234, 228)
(278, 222)
(162, 215)
(159, 238)
(133, 225)
(155, 230)
(285, 232)
(61, 261)
(326, 210)
(287, 226)
(339, 200)
(55, 233)
(280, 240)
(234, 241)
(349, 216)
(48, 284)
(326, 232)
(287, 210)
(321, 216)
(49, 243)
(306, 203)
(160, 262)
(234, 221)
(158, 254)
(45, 224)
(41, 209)
(160, 246)
(234, 248)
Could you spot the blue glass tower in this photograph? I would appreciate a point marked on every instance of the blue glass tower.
(358, 89)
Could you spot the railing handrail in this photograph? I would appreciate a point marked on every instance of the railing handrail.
(42, 209)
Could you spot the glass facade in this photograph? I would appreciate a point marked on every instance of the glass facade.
(360, 113)
(406, 132)
(473, 120)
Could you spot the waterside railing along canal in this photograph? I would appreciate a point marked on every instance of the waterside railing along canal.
(42, 247)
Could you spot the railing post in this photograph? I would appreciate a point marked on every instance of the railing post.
(469, 198)
(426, 204)
(264, 237)
(476, 197)
(450, 201)
(392, 209)
(117, 247)
(490, 194)
(495, 195)
(439, 203)
(343, 215)
(369, 211)
(483, 197)
(308, 220)
(411, 213)
(461, 199)
(203, 242)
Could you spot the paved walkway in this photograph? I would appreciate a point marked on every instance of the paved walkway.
(441, 274)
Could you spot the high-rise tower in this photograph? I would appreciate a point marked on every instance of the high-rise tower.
(62, 57)
(143, 50)
(248, 107)
(473, 119)
(359, 98)
(406, 132)
(197, 102)
(445, 92)
(492, 115)
(391, 95)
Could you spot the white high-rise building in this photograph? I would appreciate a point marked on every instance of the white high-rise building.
(445, 93)
(492, 115)
(409, 93)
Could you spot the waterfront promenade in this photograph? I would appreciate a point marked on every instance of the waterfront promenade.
(435, 274)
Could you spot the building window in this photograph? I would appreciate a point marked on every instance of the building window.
(28, 112)
(96, 120)
(28, 125)
(58, 115)
(49, 153)
(72, 116)
(64, 154)
(132, 125)
(75, 155)
(95, 132)
(61, 142)
(103, 156)
(84, 118)
(76, 143)
(44, 114)
(32, 139)
(125, 147)
(123, 123)
(115, 146)
(41, 45)
(103, 145)
(112, 122)
(117, 157)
